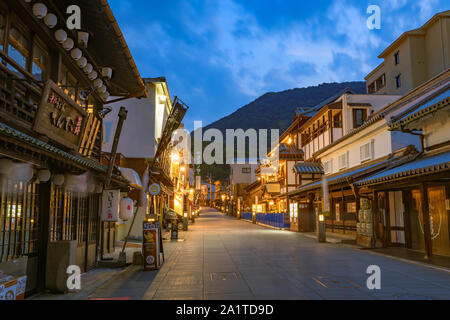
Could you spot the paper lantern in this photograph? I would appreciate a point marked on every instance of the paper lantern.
(50, 20)
(126, 209)
(39, 10)
(107, 72)
(82, 62)
(68, 44)
(22, 172)
(44, 175)
(93, 75)
(58, 179)
(102, 89)
(83, 39)
(60, 35)
(98, 83)
(105, 95)
(76, 54)
(88, 68)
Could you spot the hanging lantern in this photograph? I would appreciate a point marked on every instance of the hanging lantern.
(5, 166)
(22, 171)
(68, 44)
(50, 20)
(98, 83)
(83, 39)
(105, 95)
(107, 72)
(88, 68)
(39, 10)
(102, 89)
(60, 35)
(82, 62)
(76, 54)
(44, 175)
(126, 209)
(93, 75)
(58, 179)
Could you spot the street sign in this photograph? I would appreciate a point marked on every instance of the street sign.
(150, 248)
(154, 189)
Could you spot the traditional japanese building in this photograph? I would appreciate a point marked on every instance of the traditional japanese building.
(54, 84)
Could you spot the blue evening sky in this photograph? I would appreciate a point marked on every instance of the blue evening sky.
(220, 55)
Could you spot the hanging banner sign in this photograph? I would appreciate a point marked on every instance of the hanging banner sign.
(110, 205)
(154, 189)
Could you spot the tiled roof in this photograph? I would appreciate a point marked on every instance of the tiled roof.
(421, 166)
(15, 134)
(439, 102)
(343, 177)
(308, 167)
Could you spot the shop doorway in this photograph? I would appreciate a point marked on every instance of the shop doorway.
(396, 218)
(439, 220)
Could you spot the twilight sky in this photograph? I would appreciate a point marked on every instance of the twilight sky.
(220, 55)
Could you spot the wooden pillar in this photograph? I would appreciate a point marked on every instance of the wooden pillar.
(387, 219)
(426, 221)
(44, 201)
(406, 197)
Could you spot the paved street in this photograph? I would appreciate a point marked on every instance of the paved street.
(223, 258)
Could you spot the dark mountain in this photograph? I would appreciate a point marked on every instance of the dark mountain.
(276, 109)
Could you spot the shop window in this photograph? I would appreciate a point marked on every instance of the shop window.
(18, 46)
(40, 62)
(359, 117)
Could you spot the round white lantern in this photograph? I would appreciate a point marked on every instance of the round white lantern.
(22, 172)
(88, 68)
(76, 54)
(39, 10)
(126, 209)
(60, 35)
(98, 83)
(105, 95)
(68, 44)
(93, 75)
(44, 175)
(5, 166)
(102, 89)
(58, 179)
(82, 62)
(50, 20)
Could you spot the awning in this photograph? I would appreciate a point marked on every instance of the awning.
(422, 166)
(348, 176)
(273, 188)
(132, 176)
(308, 167)
(422, 109)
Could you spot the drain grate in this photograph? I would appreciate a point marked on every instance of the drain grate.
(335, 282)
(223, 276)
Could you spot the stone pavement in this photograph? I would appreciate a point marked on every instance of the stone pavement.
(223, 258)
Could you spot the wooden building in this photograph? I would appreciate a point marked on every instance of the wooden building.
(54, 83)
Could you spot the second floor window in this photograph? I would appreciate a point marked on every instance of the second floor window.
(398, 81)
(246, 170)
(397, 58)
(18, 46)
(2, 30)
(40, 61)
(359, 117)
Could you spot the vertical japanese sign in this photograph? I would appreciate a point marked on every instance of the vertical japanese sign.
(110, 205)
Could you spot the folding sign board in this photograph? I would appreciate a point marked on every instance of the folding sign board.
(110, 205)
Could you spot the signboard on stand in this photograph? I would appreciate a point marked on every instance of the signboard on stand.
(150, 247)
(110, 205)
